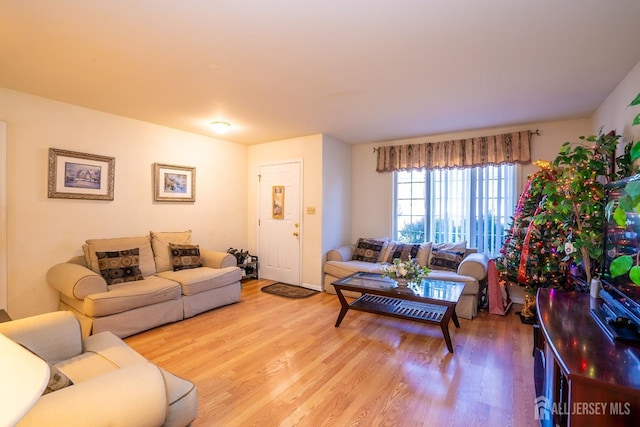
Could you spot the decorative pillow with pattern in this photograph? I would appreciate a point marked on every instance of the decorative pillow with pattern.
(447, 256)
(368, 250)
(57, 380)
(404, 251)
(184, 257)
(120, 266)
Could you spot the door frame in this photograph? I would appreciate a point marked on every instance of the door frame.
(300, 163)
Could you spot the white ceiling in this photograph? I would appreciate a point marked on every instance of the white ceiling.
(358, 70)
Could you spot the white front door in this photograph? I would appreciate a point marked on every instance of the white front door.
(280, 230)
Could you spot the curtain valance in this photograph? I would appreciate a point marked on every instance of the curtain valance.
(462, 153)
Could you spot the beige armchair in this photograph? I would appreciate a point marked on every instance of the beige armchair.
(112, 385)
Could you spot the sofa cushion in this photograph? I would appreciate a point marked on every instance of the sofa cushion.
(387, 248)
(185, 257)
(147, 264)
(197, 280)
(368, 250)
(129, 295)
(424, 253)
(342, 269)
(471, 284)
(160, 244)
(120, 266)
(182, 396)
(447, 256)
(403, 251)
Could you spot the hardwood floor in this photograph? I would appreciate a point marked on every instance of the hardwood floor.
(273, 361)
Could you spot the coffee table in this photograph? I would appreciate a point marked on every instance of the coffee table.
(434, 301)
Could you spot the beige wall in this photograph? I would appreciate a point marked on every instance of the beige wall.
(43, 231)
(373, 191)
(613, 114)
(3, 214)
(336, 194)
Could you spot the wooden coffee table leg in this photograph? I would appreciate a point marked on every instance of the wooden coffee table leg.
(454, 317)
(445, 332)
(344, 307)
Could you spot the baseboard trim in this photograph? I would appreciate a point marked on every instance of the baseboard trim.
(312, 287)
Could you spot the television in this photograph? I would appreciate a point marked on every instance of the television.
(619, 313)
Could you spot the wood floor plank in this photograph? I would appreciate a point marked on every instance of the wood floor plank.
(273, 361)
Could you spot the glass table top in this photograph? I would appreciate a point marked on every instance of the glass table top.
(434, 289)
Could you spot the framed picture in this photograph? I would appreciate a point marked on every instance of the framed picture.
(74, 175)
(278, 201)
(174, 183)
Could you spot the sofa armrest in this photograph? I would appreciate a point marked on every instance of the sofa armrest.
(75, 281)
(53, 336)
(132, 396)
(217, 259)
(343, 253)
(474, 265)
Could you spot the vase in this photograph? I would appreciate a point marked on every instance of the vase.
(403, 286)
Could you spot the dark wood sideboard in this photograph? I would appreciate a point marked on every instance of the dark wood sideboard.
(583, 378)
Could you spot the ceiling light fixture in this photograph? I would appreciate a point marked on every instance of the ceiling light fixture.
(220, 127)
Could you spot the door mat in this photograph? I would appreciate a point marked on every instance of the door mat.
(288, 291)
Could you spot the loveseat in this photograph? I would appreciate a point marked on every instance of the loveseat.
(98, 380)
(453, 262)
(130, 284)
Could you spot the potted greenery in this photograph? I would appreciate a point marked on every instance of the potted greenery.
(405, 273)
(576, 202)
(629, 203)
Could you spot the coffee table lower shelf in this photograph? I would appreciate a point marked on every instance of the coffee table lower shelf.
(403, 309)
(399, 308)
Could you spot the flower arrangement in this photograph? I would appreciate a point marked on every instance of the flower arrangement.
(409, 270)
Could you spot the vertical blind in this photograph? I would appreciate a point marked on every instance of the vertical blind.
(473, 205)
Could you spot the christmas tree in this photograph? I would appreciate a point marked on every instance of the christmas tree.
(528, 257)
(557, 225)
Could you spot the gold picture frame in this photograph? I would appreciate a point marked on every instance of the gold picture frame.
(174, 183)
(74, 175)
(277, 201)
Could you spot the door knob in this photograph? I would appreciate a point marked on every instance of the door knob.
(295, 233)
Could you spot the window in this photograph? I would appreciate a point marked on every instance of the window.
(448, 205)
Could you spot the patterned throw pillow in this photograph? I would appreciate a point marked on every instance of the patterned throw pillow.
(404, 251)
(120, 266)
(368, 250)
(447, 256)
(184, 257)
(57, 380)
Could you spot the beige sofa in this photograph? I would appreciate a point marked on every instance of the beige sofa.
(451, 262)
(112, 385)
(149, 293)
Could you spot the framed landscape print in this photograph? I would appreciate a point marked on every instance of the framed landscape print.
(74, 175)
(174, 183)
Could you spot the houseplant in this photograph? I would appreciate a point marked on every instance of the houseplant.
(405, 272)
(624, 264)
(576, 203)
